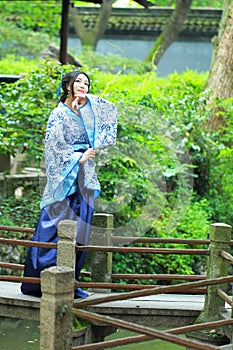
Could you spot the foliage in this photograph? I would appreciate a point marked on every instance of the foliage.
(32, 96)
(131, 3)
(219, 194)
(21, 212)
(194, 225)
(28, 26)
(14, 65)
(163, 145)
(20, 42)
(37, 16)
(114, 64)
(19, 65)
(163, 142)
(208, 3)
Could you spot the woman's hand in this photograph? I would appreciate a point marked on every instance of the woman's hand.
(90, 153)
(79, 101)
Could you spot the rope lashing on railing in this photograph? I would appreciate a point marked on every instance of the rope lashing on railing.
(93, 317)
(227, 256)
(142, 338)
(224, 296)
(90, 248)
(183, 287)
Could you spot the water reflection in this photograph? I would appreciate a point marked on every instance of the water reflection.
(19, 334)
(148, 345)
(183, 54)
(25, 335)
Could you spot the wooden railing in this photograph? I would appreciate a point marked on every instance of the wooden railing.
(58, 283)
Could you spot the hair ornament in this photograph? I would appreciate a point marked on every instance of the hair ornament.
(59, 87)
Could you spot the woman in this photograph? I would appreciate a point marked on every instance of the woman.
(76, 127)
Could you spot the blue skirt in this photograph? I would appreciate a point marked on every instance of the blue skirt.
(78, 207)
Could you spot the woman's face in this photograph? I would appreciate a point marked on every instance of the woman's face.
(81, 85)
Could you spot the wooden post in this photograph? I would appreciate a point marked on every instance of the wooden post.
(220, 236)
(66, 255)
(101, 263)
(5, 162)
(2, 186)
(57, 285)
(64, 31)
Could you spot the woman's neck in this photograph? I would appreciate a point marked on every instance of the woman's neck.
(69, 101)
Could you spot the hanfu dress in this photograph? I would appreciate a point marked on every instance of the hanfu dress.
(71, 187)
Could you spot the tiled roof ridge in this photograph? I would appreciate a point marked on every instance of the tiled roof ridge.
(149, 22)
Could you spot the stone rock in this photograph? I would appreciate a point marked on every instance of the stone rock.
(53, 52)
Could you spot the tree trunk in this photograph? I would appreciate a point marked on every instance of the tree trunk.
(220, 81)
(170, 32)
(90, 38)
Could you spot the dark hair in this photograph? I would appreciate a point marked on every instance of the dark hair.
(69, 79)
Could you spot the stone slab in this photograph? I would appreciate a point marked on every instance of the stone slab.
(156, 310)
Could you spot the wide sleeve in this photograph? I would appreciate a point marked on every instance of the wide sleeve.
(61, 160)
(105, 116)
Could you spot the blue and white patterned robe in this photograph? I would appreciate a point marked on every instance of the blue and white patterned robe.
(67, 137)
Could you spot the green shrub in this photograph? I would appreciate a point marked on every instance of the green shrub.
(162, 147)
(40, 16)
(21, 43)
(25, 107)
(193, 225)
(14, 65)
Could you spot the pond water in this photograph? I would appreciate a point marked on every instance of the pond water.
(19, 334)
(194, 54)
(24, 335)
(148, 345)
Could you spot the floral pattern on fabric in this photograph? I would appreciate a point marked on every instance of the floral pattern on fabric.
(67, 137)
(106, 115)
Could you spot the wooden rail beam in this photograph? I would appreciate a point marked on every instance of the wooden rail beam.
(90, 248)
(26, 243)
(142, 338)
(93, 317)
(182, 287)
